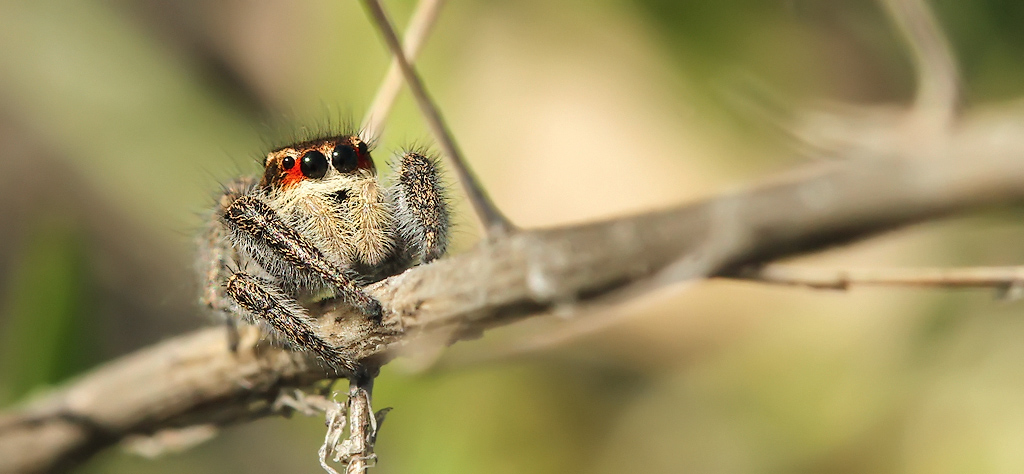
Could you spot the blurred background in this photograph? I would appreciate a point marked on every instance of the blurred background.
(119, 119)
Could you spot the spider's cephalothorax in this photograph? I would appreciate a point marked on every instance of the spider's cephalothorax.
(319, 224)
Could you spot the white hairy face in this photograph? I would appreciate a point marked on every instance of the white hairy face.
(328, 191)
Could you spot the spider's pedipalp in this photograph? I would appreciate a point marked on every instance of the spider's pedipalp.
(421, 206)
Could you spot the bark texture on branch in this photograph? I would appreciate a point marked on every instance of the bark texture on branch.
(194, 379)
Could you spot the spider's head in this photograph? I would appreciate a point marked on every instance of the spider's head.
(316, 160)
(327, 190)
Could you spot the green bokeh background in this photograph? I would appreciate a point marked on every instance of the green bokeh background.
(119, 118)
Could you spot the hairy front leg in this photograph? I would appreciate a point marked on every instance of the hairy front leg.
(265, 302)
(256, 220)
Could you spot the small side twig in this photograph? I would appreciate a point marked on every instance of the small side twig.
(495, 223)
(416, 34)
(1000, 278)
(362, 427)
(1007, 281)
(356, 414)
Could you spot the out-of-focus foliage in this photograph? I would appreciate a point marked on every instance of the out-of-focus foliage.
(119, 119)
(48, 333)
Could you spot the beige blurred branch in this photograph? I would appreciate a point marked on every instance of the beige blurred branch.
(843, 128)
(938, 82)
(195, 380)
(935, 109)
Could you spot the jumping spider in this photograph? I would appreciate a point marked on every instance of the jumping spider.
(318, 224)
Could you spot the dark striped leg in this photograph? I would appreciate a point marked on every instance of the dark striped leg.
(265, 302)
(266, 232)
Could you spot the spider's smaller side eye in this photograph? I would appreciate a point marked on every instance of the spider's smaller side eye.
(288, 162)
(314, 164)
(344, 158)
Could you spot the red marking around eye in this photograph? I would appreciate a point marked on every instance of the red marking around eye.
(292, 176)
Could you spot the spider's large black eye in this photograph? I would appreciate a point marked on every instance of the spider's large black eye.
(288, 162)
(314, 164)
(344, 158)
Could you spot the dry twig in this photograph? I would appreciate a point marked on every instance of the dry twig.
(356, 451)
(1000, 278)
(495, 223)
(416, 34)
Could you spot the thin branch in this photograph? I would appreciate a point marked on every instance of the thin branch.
(938, 81)
(1001, 278)
(495, 223)
(194, 379)
(355, 451)
(416, 33)
(362, 428)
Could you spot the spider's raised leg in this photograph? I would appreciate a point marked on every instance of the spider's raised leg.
(421, 206)
(278, 248)
(269, 304)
